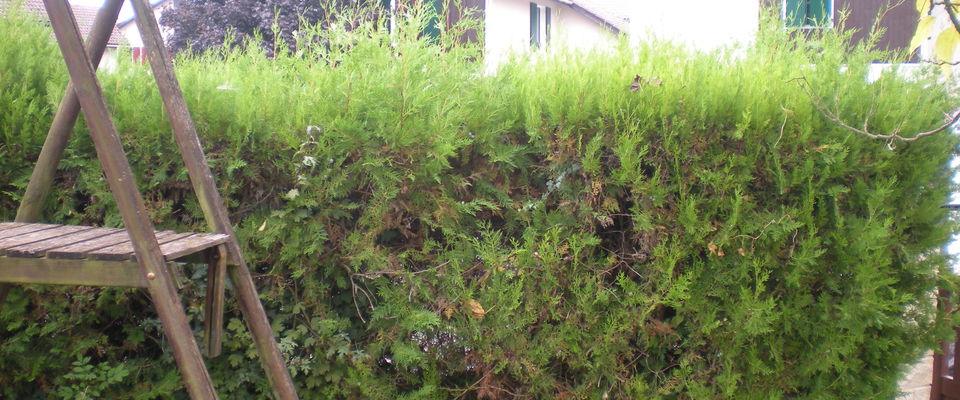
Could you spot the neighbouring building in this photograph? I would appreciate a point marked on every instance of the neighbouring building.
(899, 21)
(515, 25)
(84, 17)
(128, 28)
(711, 24)
(519, 25)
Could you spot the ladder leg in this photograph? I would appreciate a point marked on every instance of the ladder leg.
(65, 119)
(201, 178)
(185, 350)
(259, 326)
(213, 307)
(135, 217)
(63, 122)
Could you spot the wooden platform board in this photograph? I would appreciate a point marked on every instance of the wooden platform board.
(85, 255)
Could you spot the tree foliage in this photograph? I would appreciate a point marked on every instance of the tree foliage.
(203, 24)
(939, 28)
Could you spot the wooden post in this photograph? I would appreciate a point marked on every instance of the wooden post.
(132, 210)
(59, 134)
(213, 307)
(66, 117)
(216, 216)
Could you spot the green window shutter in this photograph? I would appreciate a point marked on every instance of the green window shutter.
(548, 17)
(534, 25)
(795, 12)
(433, 25)
(818, 13)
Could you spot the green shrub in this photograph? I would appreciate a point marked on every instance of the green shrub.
(421, 229)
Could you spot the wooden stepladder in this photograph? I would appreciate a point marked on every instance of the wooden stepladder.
(137, 256)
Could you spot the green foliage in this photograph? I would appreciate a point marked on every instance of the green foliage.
(422, 229)
(30, 79)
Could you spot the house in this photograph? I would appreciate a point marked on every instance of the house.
(519, 25)
(84, 17)
(130, 31)
(899, 21)
(716, 23)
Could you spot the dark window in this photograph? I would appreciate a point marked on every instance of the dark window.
(540, 20)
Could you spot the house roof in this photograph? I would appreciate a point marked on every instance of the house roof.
(84, 16)
(153, 4)
(614, 13)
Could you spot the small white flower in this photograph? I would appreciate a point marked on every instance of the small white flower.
(292, 194)
(309, 161)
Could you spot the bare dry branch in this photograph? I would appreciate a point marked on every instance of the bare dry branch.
(896, 135)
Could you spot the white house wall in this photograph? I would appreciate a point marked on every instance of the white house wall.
(132, 34)
(702, 24)
(507, 28)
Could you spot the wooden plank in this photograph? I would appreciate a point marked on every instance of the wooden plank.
(38, 249)
(125, 251)
(192, 244)
(24, 229)
(71, 272)
(9, 225)
(37, 236)
(80, 250)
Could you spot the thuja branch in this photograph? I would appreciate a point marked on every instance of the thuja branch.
(895, 135)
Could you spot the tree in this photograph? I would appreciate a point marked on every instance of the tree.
(202, 24)
(939, 26)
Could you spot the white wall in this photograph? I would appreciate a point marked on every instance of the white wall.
(108, 63)
(507, 28)
(131, 32)
(702, 24)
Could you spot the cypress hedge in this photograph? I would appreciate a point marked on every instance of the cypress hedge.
(642, 221)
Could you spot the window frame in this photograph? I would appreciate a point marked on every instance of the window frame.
(543, 17)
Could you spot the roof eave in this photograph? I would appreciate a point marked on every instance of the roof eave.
(592, 15)
(153, 4)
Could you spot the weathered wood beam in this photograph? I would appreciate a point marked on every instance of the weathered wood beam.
(132, 210)
(59, 134)
(201, 178)
(49, 271)
(63, 122)
(213, 308)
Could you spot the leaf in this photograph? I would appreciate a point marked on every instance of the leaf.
(476, 309)
(946, 45)
(636, 83)
(923, 31)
